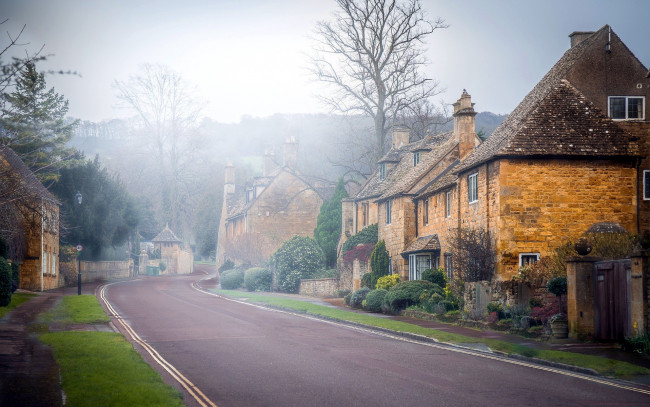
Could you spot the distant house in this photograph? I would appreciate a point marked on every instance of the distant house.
(257, 217)
(32, 213)
(172, 253)
(575, 152)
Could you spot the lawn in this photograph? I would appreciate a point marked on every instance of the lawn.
(16, 300)
(604, 366)
(101, 368)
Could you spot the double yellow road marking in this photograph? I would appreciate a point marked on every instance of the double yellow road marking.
(194, 391)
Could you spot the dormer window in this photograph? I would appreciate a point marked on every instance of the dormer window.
(626, 107)
(416, 158)
(382, 171)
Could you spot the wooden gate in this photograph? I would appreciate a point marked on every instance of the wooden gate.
(612, 300)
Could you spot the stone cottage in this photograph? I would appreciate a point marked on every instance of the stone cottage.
(172, 253)
(257, 217)
(573, 153)
(36, 214)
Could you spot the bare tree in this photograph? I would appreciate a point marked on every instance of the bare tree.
(168, 116)
(371, 54)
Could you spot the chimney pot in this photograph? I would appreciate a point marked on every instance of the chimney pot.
(578, 36)
(401, 137)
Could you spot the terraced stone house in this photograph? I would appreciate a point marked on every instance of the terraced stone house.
(574, 152)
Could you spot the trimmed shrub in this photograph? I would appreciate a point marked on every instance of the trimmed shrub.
(5, 282)
(227, 265)
(437, 277)
(232, 279)
(387, 282)
(360, 251)
(298, 257)
(346, 299)
(374, 300)
(15, 276)
(406, 294)
(366, 280)
(358, 296)
(365, 235)
(379, 260)
(258, 279)
(341, 293)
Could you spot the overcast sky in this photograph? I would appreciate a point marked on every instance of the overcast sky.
(248, 57)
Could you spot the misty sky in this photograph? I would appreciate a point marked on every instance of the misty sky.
(248, 57)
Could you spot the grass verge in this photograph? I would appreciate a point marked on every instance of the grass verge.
(16, 300)
(604, 366)
(76, 309)
(103, 369)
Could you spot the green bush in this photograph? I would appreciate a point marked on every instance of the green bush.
(365, 235)
(494, 307)
(637, 344)
(298, 257)
(374, 300)
(437, 277)
(406, 294)
(5, 282)
(358, 296)
(431, 297)
(341, 293)
(227, 265)
(366, 280)
(328, 224)
(387, 282)
(379, 262)
(232, 279)
(346, 299)
(557, 286)
(257, 279)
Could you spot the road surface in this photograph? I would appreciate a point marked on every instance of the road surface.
(226, 353)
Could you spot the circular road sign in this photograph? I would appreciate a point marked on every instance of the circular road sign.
(79, 247)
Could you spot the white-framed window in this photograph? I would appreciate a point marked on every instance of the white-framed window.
(365, 208)
(448, 204)
(528, 258)
(425, 209)
(382, 171)
(44, 262)
(390, 265)
(448, 266)
(54, 264)
(472, 187)
(389, 209)
(646, 185)
(626, 107)
(416, 158)
(417, 264)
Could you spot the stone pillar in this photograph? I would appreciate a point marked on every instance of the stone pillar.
(580, 297)
(143, 262)
(639, 301)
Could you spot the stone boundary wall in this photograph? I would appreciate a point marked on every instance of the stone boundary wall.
(105, 270)
(321, 287)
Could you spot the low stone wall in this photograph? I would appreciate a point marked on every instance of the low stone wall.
(479, 294)
(321, 287)
(105, 270)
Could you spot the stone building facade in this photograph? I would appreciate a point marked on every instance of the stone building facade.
(256, 218)
(37, 214)
(172, 253)
(573, 153)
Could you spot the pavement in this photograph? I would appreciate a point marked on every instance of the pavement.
(30, 377)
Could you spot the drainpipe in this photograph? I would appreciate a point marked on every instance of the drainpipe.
(416, 216)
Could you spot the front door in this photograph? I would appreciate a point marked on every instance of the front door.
(612, 300)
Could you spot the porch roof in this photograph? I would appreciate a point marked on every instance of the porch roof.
(422, 244)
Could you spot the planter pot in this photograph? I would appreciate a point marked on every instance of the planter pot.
(560, 329)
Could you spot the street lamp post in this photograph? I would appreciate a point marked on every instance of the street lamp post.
(79, 248)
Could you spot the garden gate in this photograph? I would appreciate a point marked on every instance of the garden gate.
(612, 299)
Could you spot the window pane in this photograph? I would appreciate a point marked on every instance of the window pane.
(634, 108)
(646, 184)
(617, 108)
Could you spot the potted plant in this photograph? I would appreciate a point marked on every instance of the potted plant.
(559, 322)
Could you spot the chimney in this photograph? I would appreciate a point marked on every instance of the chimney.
(229, 179)
(578, 36)
(290, 153)
(464, 126)
(269, 162)
(401, 137)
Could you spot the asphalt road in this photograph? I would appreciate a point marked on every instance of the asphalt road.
(240, 355)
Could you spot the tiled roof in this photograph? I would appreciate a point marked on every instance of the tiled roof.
(510, 137)
(236, 204)
(32, 185)
(428, 243)
(166, 236)
(445, 180)
(402, 176)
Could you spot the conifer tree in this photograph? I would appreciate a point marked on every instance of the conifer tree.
(33, 124)
(328, 224)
